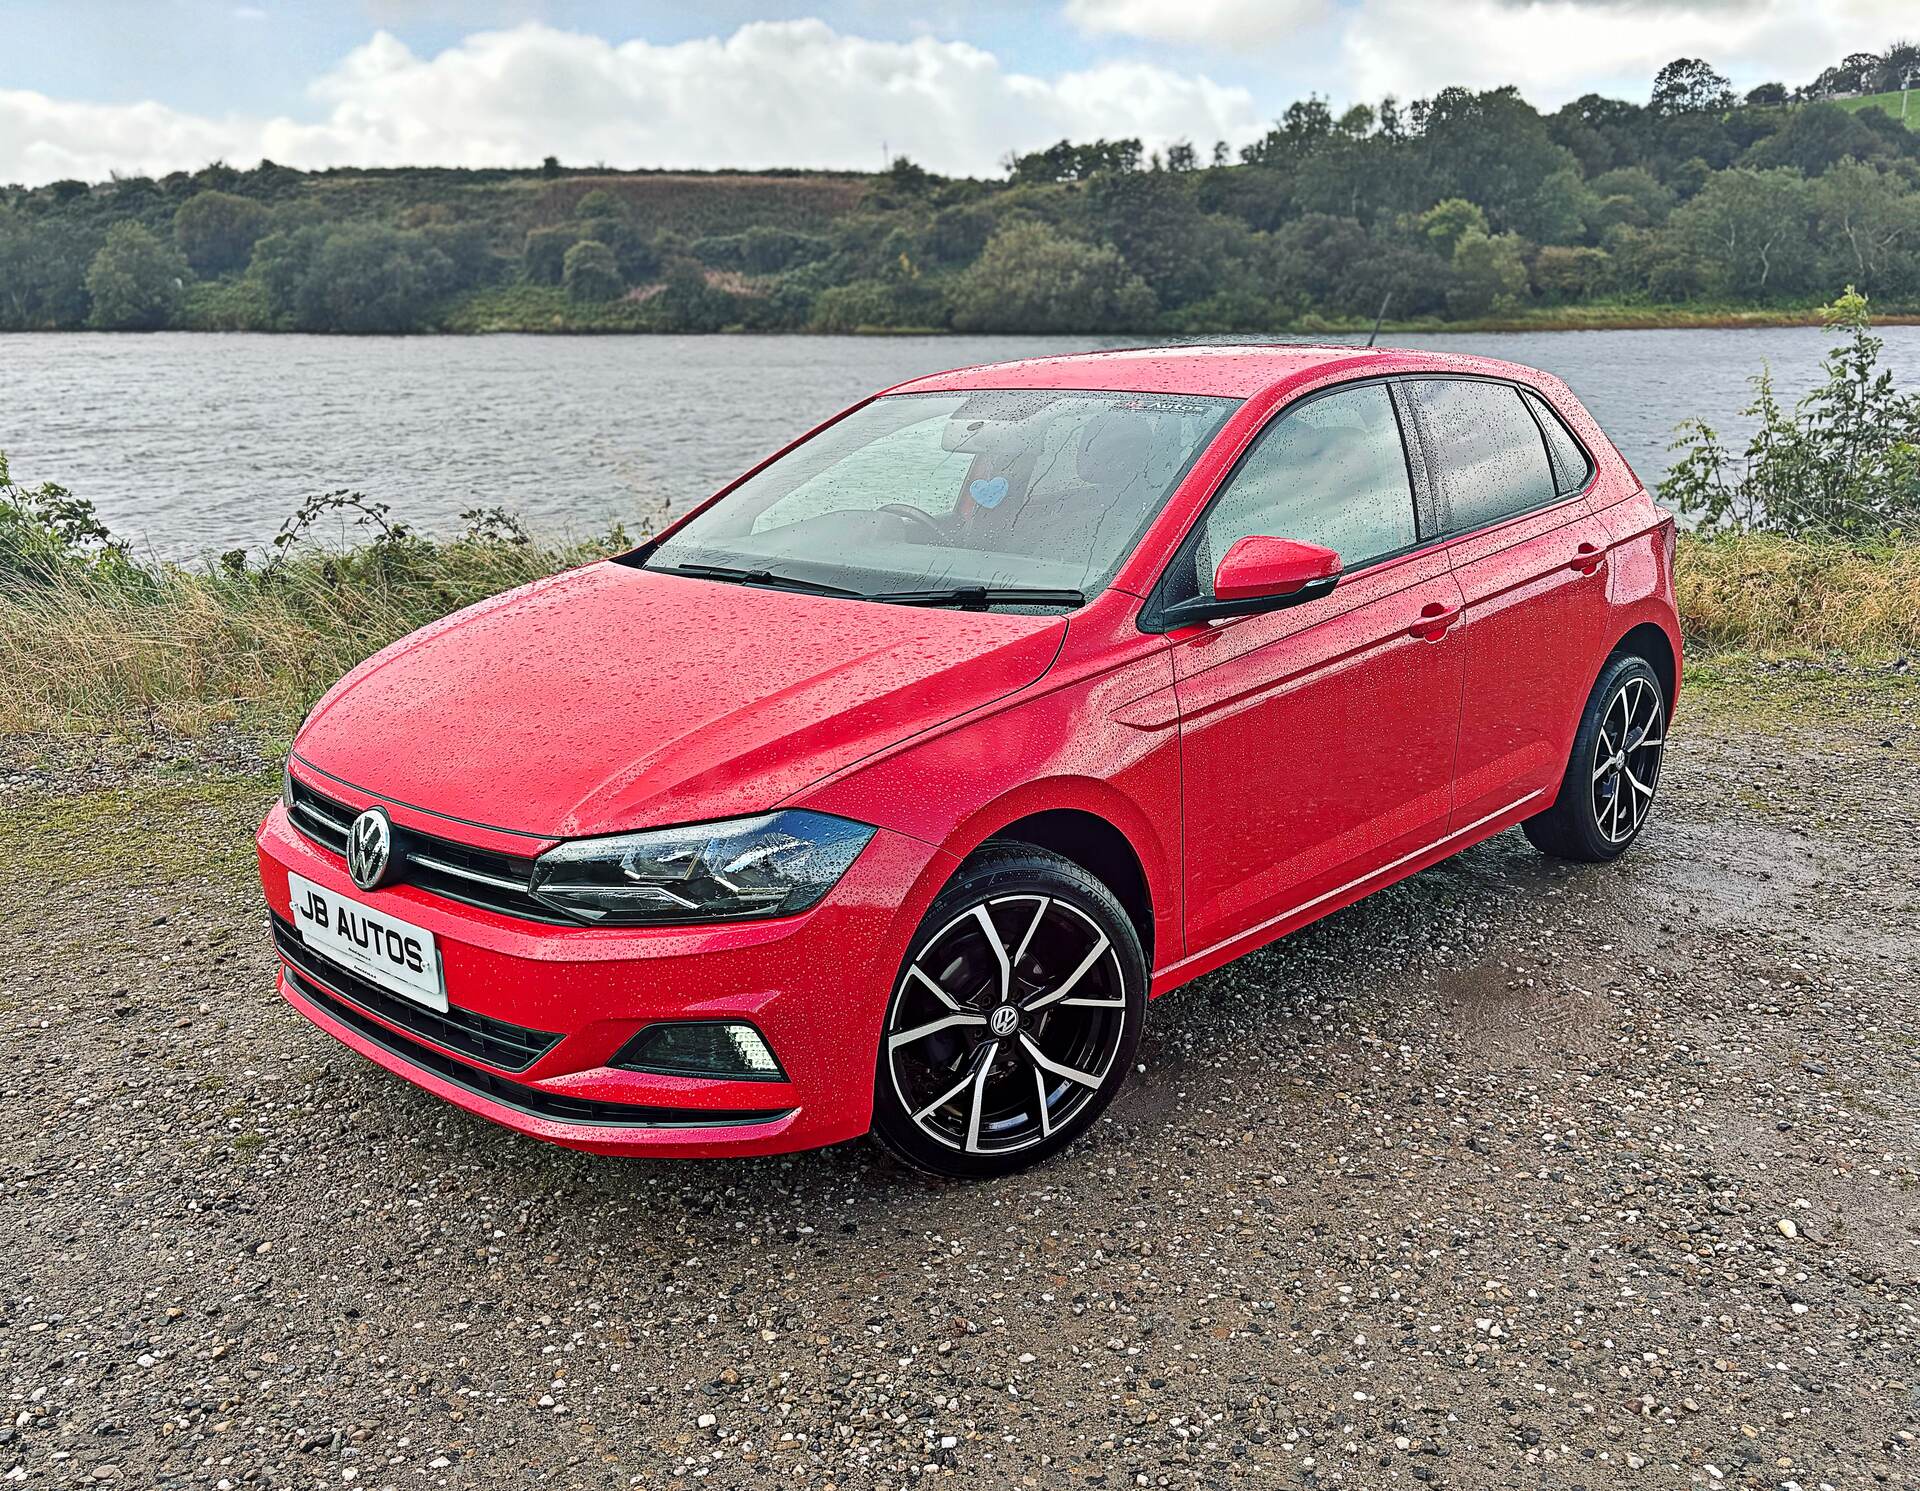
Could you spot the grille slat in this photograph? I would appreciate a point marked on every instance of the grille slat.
(519, 1095)
(460, 872)
(499, 1043)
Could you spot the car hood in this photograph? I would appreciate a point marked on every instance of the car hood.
(611, 698)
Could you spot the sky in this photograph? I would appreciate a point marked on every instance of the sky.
(94, 87)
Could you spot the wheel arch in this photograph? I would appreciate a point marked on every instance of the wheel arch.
(1102, 850)
(1649, 640)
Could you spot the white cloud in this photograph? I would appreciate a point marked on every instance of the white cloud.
(1223, 23)
(1553, 49)
(792, 93)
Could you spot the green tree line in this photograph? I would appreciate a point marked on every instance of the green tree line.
(1463, 206)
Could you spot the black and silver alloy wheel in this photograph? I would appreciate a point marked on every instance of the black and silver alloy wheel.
(1014, 1018)
(1614, 767)
(1626, 764)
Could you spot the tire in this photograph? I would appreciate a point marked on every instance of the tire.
(1074, 992)
(1606, 795)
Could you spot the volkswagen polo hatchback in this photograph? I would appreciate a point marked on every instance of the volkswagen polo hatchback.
(883, 790)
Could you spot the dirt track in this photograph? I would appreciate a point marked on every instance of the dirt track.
(1516, 1175)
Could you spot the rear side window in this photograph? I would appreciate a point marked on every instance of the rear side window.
(1571, 468)
(1488, 453)
(1331, 472)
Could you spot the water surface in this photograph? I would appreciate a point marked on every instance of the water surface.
(190, 442)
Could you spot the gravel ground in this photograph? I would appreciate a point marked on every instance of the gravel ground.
(1515, 1175)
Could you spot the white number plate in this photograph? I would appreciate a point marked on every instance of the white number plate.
(396, 955)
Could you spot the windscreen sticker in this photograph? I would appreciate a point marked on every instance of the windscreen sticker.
(988, 493)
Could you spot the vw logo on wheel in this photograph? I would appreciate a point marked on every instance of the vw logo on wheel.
(1004, 1020)
(370, 848)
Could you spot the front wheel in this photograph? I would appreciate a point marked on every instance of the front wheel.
(1014, 1020)
(1607, 794)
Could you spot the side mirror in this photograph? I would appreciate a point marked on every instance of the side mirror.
(1259, 574)
(1273, 569)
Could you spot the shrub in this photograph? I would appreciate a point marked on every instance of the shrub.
(137, 282)
(217, 231)
(1844, 462)
(1031, 278)
(544, 259)
(590, 273)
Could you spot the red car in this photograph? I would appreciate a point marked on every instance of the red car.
(881, 791)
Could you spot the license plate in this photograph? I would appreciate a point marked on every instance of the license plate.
(396, 955)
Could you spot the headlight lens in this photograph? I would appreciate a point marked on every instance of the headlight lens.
(772, 865)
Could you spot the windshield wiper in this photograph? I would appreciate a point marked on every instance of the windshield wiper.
(982, 595)
(759, 577)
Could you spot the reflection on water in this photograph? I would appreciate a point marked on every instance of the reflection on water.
(190, 442)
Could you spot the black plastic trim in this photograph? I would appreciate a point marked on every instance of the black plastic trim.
(534, 1101)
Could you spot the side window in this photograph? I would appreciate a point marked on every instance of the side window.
(1488, 454)
(1330, 472)
(1571, 467)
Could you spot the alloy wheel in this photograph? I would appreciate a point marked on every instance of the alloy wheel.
(1626, 759)
(1006, 1024)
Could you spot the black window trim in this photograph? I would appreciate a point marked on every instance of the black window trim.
(1535, 401)
(1445, 530)
(1426, 510)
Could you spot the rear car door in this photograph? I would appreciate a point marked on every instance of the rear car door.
(1316, 741)
(1509, 481)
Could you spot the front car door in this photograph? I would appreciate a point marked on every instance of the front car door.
(1530, 556)
(1316, 741)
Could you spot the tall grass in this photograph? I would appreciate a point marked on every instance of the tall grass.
(119, 647)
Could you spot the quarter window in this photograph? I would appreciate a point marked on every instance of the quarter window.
(1331, 472)
(1571, 468)
(1488, 454)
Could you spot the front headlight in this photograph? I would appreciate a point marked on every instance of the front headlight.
(772, 865)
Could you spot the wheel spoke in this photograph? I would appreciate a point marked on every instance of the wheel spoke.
(985, 918)
(933, 1027)
(946, 1097)
(983, 1064)
(1638, 785)
(1046, 1111)
(1059, 1069)
(1033, 926)
(1605, 766)
(1054, 996)
(916, 972)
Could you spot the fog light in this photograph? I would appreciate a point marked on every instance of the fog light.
(701, 1048)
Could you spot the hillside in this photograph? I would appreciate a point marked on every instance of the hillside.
(1888, 103)
(1464, 209)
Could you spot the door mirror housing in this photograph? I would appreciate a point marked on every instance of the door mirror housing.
(1261, 574)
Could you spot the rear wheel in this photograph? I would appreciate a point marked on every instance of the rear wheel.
(1014, 1020)
(1607, 793)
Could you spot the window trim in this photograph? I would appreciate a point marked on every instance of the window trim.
(1535, 400)
(1153, 615)
(1446, 530)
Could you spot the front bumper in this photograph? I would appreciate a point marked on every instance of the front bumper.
(815, 986)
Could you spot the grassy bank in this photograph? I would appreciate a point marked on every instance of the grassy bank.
(117, 647)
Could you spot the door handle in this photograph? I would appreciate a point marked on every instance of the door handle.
(1435, 618)
(1587, 559)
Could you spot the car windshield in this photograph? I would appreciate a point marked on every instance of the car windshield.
(996, 497)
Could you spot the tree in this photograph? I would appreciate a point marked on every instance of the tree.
(1153, 219)
(217, 231)
(1031, 278)
(1489, 273)
(1767, 96)
(137, 282)
(550, 167)
(591, 274)
(1490, 148)
(1815, 137)
(366, 278)
(1688, 85)
(544, 258)
(1445, 223)
(1751, 230)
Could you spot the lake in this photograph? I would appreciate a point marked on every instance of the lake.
(189, 443)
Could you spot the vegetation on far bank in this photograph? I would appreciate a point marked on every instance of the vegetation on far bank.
(1465, 209)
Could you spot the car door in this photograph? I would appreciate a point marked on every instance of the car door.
(1530, 557)
(1316, 741)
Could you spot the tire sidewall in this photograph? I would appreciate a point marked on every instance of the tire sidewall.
(1004, 870)
(1586, 748)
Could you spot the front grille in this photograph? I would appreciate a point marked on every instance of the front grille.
(518, 1095)
(475, 877)
(512, 1048)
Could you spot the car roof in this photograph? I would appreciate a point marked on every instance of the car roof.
(1238, 370)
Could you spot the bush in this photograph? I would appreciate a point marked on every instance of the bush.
(544, 259)
(1844, 463)
(137, 283)
(590, 273)
(1030, 278)
(217, 231)
(371, 279)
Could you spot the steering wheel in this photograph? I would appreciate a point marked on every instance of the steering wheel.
(925, 519)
